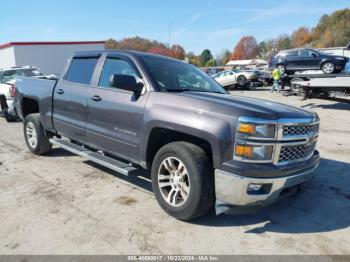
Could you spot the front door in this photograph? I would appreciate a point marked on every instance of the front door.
(115, 116)
(70, 98)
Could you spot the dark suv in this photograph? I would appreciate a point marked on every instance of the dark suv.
(293, 60)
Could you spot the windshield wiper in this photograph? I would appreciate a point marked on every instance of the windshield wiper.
(179, 90)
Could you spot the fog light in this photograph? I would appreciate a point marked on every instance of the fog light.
(254, 187)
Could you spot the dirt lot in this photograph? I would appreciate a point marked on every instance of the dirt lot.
(59, 204)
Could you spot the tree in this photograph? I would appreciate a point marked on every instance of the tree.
(332, 30)
(177, 51)
(262, 50)
(301, 37)
(283, 42)
(204, 57)
(223, 57)
(192, 58)
(211, 62)
(245, 49)
(160, 50)
(136, 43)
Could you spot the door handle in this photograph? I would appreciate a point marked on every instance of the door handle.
(60, 91)
(96, 98)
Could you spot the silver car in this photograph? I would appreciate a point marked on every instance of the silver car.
(231, 78)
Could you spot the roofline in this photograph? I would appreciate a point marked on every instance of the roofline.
(10, 44)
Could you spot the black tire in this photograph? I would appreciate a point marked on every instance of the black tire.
(201, 197)
(9, 118)
(241, 81)
(324, 67)
(43, 145)
(282, 68)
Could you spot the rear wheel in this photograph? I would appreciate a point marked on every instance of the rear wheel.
(36, 137)
(328, 68)
(183, 181)
(282, 68)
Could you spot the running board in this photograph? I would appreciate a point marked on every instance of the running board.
(111, 163)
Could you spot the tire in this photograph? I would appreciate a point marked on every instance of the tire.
(241, 80)
(36, 137)
(196, 195)
(9, 118)
(328, 68)
(282, 68)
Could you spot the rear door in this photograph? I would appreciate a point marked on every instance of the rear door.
(292, 60)
(115, 116)
(71, 95)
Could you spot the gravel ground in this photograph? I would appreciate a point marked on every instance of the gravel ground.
(61, 204)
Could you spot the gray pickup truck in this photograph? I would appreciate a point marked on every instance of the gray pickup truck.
(124, 109)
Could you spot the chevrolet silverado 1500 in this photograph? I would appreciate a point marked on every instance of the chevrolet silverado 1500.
(124, 109)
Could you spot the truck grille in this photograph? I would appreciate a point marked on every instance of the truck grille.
(297, 130)
(296, 152)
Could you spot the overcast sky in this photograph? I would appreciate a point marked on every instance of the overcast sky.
(194, 24)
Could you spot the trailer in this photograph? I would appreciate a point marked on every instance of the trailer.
(324, 85)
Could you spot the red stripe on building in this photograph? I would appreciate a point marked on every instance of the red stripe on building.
(50, 43)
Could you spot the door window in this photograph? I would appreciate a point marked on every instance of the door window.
(81, 69)
(115, 66)
(305, 53)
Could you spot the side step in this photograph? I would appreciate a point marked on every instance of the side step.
(111, 163)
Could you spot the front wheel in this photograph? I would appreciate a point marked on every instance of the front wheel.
(183, 181)
(36, 137)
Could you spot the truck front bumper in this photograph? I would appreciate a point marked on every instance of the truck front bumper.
(234, 189)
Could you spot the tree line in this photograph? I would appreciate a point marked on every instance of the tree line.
(331, 30)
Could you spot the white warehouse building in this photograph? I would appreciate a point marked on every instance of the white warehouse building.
(49, 57)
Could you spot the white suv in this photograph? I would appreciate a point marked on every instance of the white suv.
(8, 90)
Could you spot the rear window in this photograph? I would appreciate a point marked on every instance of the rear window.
(81, 69)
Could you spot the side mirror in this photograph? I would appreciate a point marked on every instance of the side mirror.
(126, 82)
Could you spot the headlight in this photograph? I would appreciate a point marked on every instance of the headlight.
(256, 129)
(255, 139)
(254, 152)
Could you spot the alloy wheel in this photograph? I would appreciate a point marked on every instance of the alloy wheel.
(328, 68)
(31, 134)
(173, 181)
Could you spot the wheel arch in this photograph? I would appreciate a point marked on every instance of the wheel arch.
(160, 136)
(29, 106)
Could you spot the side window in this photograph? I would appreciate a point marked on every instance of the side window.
(115, 66)
(313, 54)
(304, 53)
(81, 69)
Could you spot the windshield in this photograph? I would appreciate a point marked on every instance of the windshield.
(9, 75)
(173, 76)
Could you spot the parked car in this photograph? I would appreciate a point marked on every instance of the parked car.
(124, 109)
(8, 90)
(231, 78)
(293, 60)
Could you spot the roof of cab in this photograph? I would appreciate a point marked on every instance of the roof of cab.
(126, 52)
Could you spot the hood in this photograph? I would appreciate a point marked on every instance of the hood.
(340, 57)
(241, 106)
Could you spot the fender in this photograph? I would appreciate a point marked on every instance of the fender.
(216, 131)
